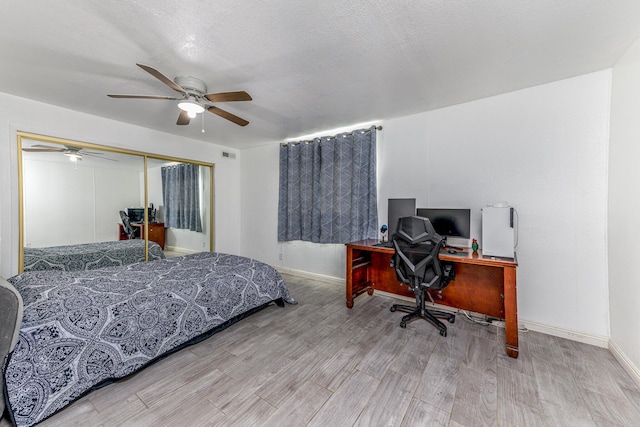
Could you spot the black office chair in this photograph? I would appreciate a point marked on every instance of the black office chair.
(128, 229)
(417, 264)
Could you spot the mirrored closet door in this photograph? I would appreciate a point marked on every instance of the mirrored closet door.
(75, 194)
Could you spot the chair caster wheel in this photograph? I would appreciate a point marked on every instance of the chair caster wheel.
(443, 333)
(392, 309)
(403, 325)
(452, 320)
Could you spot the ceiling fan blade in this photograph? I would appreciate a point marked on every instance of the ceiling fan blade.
(46, 146)
(42, 150)
(142, 96)
(164, 79)
(183, 118)
(228, 96)
(227, 115)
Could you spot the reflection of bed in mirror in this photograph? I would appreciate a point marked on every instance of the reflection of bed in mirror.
(85, 329)
(89, 256)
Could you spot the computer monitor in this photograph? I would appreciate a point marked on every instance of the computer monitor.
(135, 214)
(449, 222)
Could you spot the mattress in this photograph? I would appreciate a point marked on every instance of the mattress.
(84, 329)
(89, 256)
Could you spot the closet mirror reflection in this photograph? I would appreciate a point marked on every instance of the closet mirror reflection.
(193, 201)
(73, 193)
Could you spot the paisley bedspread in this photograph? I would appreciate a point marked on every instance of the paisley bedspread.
(89, 256)
(84, 328)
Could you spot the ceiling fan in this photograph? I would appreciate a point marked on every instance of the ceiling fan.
(194, 98)
(74, 153)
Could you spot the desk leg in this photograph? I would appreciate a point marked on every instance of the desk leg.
(349, 276)
(511, 311)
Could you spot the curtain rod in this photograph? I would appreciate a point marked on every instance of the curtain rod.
(341, 133)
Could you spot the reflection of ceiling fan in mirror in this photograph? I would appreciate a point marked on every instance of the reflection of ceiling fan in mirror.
(194, 98)
(74, 153)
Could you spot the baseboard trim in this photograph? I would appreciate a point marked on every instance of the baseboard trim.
(626, 363)
(593, 339)
(177, 249)
(313, 276)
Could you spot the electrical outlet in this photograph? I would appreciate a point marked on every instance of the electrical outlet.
(280, 257)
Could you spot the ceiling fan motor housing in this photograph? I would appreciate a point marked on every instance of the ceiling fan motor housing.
(192, 85)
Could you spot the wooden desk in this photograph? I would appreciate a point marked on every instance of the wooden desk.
(482, 284)
(156, 232)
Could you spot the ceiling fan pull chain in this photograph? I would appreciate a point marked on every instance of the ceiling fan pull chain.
(203, 123)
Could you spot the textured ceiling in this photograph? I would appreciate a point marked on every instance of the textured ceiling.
(309, 65)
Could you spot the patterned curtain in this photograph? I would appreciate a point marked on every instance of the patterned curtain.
(328, 189)
(181, 196)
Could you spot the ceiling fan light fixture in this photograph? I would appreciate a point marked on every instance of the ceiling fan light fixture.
(74, 157)
(191, 107)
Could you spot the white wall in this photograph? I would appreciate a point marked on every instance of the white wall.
(67, 204)
(542, 149)
(25, 115)
(624, 204)
(114, 189)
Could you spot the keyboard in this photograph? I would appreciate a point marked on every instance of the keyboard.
(384, 245)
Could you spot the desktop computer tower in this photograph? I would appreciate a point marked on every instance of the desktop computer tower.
(498, 237)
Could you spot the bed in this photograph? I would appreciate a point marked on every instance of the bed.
(84, 329)
(89, 256)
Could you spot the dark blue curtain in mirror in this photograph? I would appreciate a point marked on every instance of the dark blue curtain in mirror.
(328, 189)
(181, 196)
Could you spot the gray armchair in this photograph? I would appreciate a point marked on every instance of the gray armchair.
(10, 322)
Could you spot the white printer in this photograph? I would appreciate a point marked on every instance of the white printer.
(498, 235)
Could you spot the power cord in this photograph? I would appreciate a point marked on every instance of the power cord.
(470, 319)
(497, 323)
(517, 225)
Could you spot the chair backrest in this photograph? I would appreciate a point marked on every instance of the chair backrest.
(417, 246)
(126, 225)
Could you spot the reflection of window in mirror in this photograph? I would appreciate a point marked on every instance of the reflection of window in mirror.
(183, 202)
(181, 196)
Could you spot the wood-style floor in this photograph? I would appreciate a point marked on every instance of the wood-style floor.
(320, 364)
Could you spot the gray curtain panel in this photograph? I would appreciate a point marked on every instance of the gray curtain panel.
(328, 189)
(181, 196)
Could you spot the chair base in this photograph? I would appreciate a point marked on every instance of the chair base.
(430, 316)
